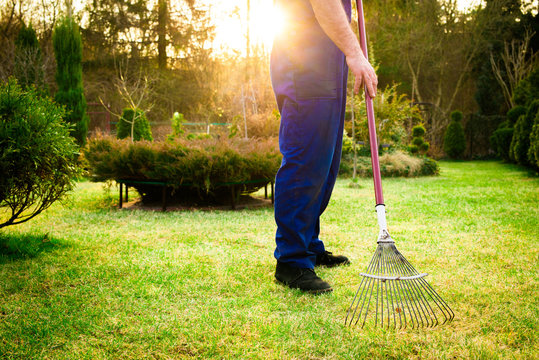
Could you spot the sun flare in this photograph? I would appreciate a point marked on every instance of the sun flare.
(231, 25)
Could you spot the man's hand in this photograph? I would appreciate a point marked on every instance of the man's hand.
(332, 18)
(363, 72)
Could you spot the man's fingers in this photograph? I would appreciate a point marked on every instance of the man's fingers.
(357, 85)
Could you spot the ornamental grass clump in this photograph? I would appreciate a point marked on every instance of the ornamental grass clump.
(38, 157)
(198, 168)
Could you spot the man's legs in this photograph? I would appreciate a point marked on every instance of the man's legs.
(310, 131)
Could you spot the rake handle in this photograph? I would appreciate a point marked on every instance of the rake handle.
(370, 113)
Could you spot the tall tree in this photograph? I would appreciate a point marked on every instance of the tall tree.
(28, 68)
(68, 51)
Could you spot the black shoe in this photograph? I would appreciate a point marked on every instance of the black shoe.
(328, 259)
(303, 279)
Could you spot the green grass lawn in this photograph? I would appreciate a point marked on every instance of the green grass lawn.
(87, 281)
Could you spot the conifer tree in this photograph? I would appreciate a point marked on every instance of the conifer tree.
(28, 62)
(68, 51)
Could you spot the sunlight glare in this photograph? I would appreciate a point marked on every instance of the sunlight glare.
(266, 21)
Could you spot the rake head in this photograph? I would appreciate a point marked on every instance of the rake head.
(392, 294)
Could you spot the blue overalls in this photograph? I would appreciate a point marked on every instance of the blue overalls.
(309, 76)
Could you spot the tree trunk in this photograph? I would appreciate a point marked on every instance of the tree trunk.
(162, 33)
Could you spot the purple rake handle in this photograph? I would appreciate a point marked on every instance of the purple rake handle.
(370, 114)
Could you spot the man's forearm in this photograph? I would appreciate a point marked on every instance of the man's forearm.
(332, 18)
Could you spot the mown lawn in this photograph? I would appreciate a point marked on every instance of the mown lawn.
(87, 281)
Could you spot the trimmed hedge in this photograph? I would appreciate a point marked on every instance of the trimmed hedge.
(198, 168)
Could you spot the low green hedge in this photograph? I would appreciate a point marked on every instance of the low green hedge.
(195, 169)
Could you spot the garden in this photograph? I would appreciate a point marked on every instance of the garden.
(137, 169)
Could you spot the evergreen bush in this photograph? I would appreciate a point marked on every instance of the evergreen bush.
(533, 152)
(500, 141)
(454, 137)
(68, 51)
(199, 167)
(28, 62)
(419, 145)
(37, 155)
(501, 138)
(527, 90)
(134, 125)
(513, 115)
(520, 143)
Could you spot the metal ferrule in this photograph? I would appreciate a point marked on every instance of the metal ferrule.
(384, 236)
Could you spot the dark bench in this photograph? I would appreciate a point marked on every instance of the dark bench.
(165, 186)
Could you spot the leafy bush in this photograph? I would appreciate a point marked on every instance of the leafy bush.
(533, 152)
(37, 154)
(520, 143)
(391, 111)
(134, 125)
(200, 167)
(501, 141)
(454, 137)
(527, 90)
(395, 164)
(177, 125)
(67, 44)
(513, 115)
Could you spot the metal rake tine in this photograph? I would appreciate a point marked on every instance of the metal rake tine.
(375, 265)
(361, 298)
(396, 286)
(434, 295)
(413, 307)
(405, 291)
(422, 303)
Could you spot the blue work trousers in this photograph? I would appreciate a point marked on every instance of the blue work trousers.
(309, 76)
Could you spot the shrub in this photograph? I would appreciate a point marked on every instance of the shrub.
(513, 115)
(533, 152)
(134, 125)
(419, 145)
(501, 141)
(520, 143)
(392, 111)
(262, 125)
(198, 167)
(454, 138)
(527, 89)
(37, 154)
(395, 164)
(177, 125)
(68, 51)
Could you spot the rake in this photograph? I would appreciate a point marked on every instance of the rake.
(392, 293)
